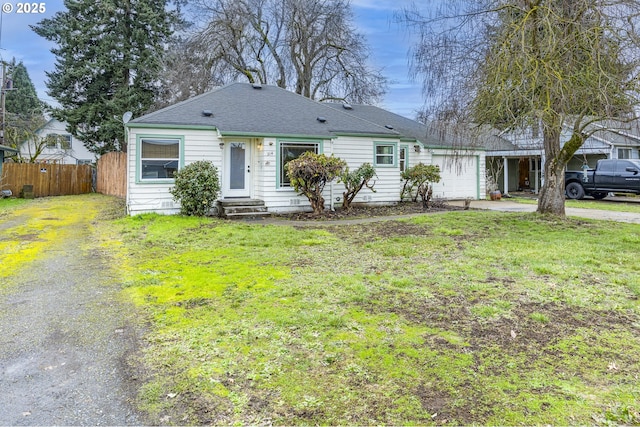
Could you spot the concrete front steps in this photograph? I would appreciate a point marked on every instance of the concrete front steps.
(242, 209)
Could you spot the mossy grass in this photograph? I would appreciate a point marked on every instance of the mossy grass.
(9, 203)
(459, 318)
(25, 226)
(465, 317)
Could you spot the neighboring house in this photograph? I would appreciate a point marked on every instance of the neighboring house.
(521, 157)
(62, 148)
(249, 132)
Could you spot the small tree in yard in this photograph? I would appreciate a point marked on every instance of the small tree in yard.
(309, 174)
(419, 178)
(196, 188)
(355, 181)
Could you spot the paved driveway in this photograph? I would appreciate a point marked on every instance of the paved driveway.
(64, 335)
(506, 205)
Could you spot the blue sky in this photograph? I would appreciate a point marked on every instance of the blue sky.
(388, 42)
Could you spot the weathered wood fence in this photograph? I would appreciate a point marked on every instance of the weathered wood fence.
(47, 179)
(112, 170)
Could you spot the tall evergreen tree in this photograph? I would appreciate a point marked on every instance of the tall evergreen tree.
(108, 60)
(24, 111)
(23, 99)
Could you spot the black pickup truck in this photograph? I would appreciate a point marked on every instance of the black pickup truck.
(609, 176)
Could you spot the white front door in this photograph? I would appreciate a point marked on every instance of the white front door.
(238, 170)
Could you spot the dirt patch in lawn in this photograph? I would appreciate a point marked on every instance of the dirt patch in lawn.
(357, 212)
(525, 339)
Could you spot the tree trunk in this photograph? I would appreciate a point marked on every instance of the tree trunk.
(551, 200)
(317, 204)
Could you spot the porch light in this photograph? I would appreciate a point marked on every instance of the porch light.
(221, 145)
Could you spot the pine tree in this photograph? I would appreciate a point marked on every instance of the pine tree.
(23, 98)
(108, 59)
(24, 111)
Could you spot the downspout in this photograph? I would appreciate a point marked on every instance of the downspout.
(537, 172)
(506, 175)
(127, 197)
(478, 192)
(331, 208)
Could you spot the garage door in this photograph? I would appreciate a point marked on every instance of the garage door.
(459, 177)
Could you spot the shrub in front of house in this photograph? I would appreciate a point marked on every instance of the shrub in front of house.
(309, 174)
(196, 188)
(417, 182)
(354, 181)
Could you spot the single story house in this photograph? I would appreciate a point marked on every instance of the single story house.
(518, 157)
(61, 147)
(250, 132)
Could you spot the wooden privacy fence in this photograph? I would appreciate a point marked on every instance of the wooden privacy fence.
(112, 170)
(47, 179)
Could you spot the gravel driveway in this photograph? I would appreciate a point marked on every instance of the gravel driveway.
(64, 335)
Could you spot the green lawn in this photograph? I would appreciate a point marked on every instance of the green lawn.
(466, 317)
(7, 204)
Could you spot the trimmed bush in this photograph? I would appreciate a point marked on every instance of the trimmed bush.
(354, 181)
(417, 182)
(196, 188)
(310, 172)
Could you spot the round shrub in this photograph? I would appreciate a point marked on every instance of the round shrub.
(196, 188)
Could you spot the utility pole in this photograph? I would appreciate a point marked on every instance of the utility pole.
(2, 114)
(6, 85)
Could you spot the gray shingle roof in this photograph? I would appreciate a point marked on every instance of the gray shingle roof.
(409, 129)
(618, 133)
(433, 135)
(239, 108)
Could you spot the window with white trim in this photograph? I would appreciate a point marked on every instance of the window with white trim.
(624, 153)
(385, 154)
(159, 158)
(290, 151)
(65, 142)
(403, 158)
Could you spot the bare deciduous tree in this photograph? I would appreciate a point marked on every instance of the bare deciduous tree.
(21, 134)
(307, 46)
(517, 63)
(186, 72)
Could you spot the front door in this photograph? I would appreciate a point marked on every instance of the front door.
(238, 162)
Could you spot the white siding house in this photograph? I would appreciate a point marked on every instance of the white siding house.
(249, 132)
(63, 148)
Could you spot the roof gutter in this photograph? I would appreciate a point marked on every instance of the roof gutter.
(132, 125)
(8, 149)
